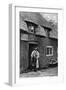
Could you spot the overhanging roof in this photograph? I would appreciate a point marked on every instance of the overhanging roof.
(35, 17)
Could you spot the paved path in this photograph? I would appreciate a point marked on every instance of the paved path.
(41, 73)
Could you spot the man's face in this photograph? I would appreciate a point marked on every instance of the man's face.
(35, 49)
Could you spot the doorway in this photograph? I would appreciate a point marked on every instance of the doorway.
(31, 48)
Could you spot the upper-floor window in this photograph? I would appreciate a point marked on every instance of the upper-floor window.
(31, 28)
(47, 32)
(49, 50)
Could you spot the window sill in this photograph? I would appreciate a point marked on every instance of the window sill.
(49, 55)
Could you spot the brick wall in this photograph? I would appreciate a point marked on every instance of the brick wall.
(23, 55)
(43, 42)
(43, 60)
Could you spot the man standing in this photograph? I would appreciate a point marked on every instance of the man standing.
(35, 59)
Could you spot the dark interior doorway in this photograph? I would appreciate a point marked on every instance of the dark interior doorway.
(31, 48)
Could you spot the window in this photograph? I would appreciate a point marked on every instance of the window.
(31, 28)
(47, 33)
(49, 51)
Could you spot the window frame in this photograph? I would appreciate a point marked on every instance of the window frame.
(49, 50)
(31, 30)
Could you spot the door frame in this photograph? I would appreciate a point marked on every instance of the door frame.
(31, 42)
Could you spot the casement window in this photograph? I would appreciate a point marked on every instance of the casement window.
(47, 31)
(31, 28)
(49, 50)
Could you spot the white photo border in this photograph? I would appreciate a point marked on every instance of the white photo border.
(16, 80)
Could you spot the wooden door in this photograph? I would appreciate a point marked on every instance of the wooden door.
(23, 55)
(31, 48)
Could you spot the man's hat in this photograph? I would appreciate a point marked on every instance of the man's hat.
(36, 48)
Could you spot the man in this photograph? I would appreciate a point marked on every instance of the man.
(34, 59)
